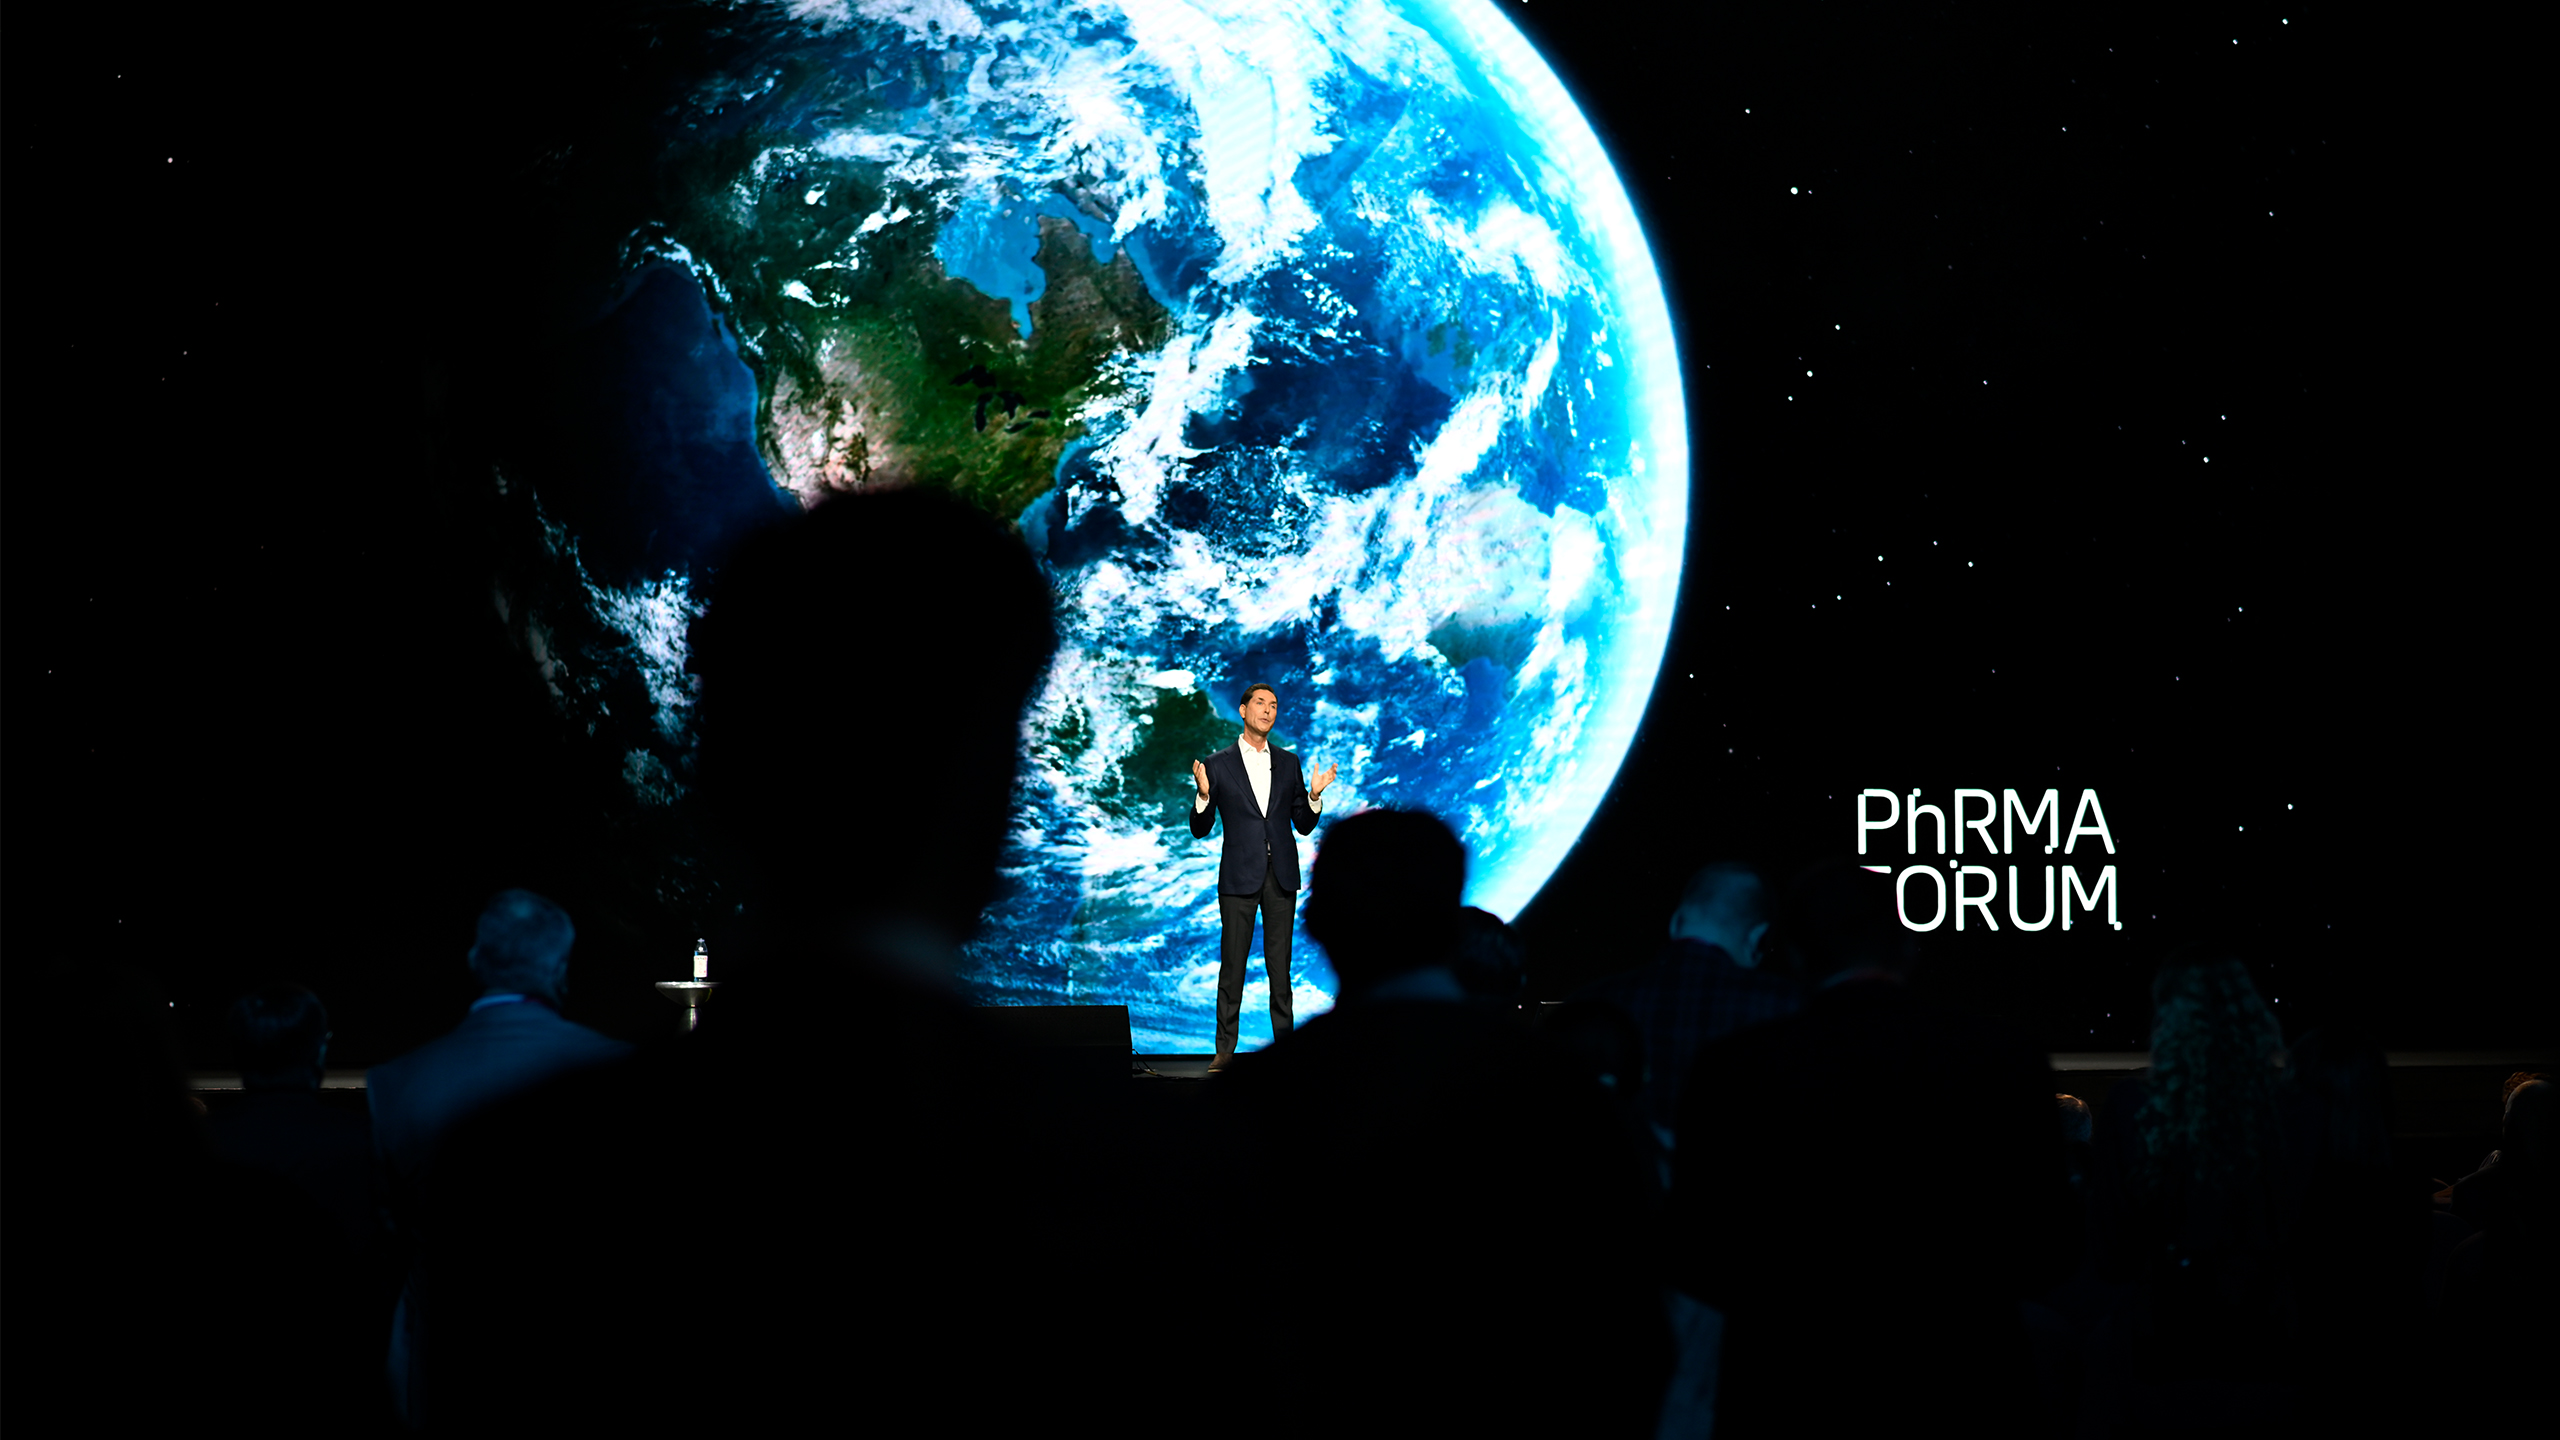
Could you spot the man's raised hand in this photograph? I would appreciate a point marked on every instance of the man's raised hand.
(1200, 777)
(1324, 777)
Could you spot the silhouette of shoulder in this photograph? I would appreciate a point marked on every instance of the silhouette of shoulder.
(280, 1130)
(495, 1052)
(1410, 1048)
(325, 1152)
(1871, 1080)
(847, 1143)
(1430, 1140)
(1413, 1094)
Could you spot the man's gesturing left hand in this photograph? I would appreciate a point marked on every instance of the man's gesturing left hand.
(1315, 788)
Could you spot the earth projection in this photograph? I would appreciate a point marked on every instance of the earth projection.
(1313, 343)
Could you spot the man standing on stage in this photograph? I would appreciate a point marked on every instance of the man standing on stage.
(1252, 786)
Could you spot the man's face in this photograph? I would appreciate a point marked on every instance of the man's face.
(1259, 710)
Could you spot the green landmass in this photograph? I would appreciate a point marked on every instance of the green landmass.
(1451, 338)
(1065, 743)
(973, 405)
(1507, 646)
(1174, 729)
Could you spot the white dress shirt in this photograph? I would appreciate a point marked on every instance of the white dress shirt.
(1257, 769)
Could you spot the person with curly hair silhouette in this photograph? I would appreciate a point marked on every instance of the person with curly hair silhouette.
(2197, 1189)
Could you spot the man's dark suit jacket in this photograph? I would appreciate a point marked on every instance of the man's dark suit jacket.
(495, 1052)
(1249, 831)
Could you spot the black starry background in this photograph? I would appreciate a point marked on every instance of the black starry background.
(2067, 393)
(2092, 400)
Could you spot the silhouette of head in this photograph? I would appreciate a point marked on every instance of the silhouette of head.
(1726, 905)
(2214, 1087)
(2525, 1137)
(1383, 897)
(523, 946)
(2077, 1123)
(1491, 961)
(1840, 918)
(280, 1037)
(864, 668)
(2203, 993)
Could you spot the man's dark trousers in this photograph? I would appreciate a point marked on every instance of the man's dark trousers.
(1235, 937)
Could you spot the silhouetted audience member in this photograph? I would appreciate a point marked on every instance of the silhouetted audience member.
(156, 1287)
(2461, 1205)
(1478, 1261)
(1709, 980)
(2500, 1282)
(1604, 1041)
(2077, 1302)
(822, 1206)
(2473, 1196)
(278, 1124)
(280, 1037)
(1886, 1288)
(2199, 1180)
(2078, 1124)
(513, 1039)
(1490, 959)
(2077, 1121)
